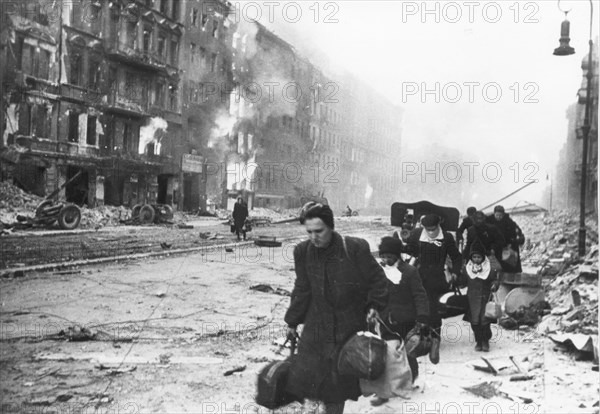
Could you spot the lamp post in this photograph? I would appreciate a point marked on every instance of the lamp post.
(564, 50)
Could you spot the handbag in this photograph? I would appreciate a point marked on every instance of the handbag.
(493, 309)
(272, 380)
(417, 343)
(363, 355)
(396, 379)
(453, 303)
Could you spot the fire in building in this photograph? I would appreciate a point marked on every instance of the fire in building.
(156, 101)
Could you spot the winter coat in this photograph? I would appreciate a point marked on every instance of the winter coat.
(464, 225)
(407, 302)
(478, 293)
(240, 214)
(432, 260)
(513, 237)
(489, 236)
(332, 294)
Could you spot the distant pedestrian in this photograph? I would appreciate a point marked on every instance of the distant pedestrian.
(240, 214)
(465, 224)
(513, 237)
(408, 305)
(481, 281)
(339, 289)
(432, 246)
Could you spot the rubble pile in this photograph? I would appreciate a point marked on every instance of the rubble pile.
(14, 201)
(103, 216)
(570, 282)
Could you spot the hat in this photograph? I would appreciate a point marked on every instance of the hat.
(390, 245)
(317, 210)
(430, 220)
(498, 209)
(477, 248)
(471, 211)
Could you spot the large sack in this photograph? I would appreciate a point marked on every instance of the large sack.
(396, 379)
(417, 343)
(363, 356)
(453, 304)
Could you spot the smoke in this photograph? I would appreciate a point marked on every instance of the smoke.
(152, 133)
(368, 194)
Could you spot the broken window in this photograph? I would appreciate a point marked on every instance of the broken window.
(25, 119)
(159, 94)
(27, 59)
(173, 98)
(215, 31)
(175, 10)
(76, 68)
(164, 6)
(162, 41)
(73, 126)
(195, 17)
(131, 35)
(147, 42)
(91, 130)
(94, 68)
(192, 52)
(44, 64)
(213, 62)
(204, 19)
(202, 54)
(174, 51)
(42, 118)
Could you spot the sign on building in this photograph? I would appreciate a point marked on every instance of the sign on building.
(192, 163)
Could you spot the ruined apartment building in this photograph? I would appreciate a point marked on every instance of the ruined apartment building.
(93, 87)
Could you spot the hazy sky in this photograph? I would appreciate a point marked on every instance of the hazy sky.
(399, 49)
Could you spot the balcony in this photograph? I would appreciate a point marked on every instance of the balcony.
(121, 103)
(132, 55)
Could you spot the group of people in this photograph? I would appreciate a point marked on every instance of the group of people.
(341, 289)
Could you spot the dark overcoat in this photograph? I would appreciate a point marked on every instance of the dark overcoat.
(478, 293)
(240, 214)
(332, 293)
(489, 236)
(513, 237)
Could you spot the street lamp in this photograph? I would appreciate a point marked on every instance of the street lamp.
(564, 50)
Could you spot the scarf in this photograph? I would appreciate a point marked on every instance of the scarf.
(392, 272)
(437, 240)
(481, 271)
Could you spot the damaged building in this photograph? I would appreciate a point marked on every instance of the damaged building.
(94, 89)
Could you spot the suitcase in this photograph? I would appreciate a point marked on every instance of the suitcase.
(453, 304)
(272, 381)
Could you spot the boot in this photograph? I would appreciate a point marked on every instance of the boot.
(486, 346)
(478, 347)
(377, 401)
(434, 354)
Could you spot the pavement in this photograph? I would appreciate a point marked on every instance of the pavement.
(168, 329)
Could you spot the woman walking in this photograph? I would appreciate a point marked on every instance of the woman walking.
(339, 288)
(240, 214)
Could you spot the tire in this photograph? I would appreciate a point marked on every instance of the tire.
(166, 212)
(42, 206)
(147, 214)
(135, 211)
(69, 217)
